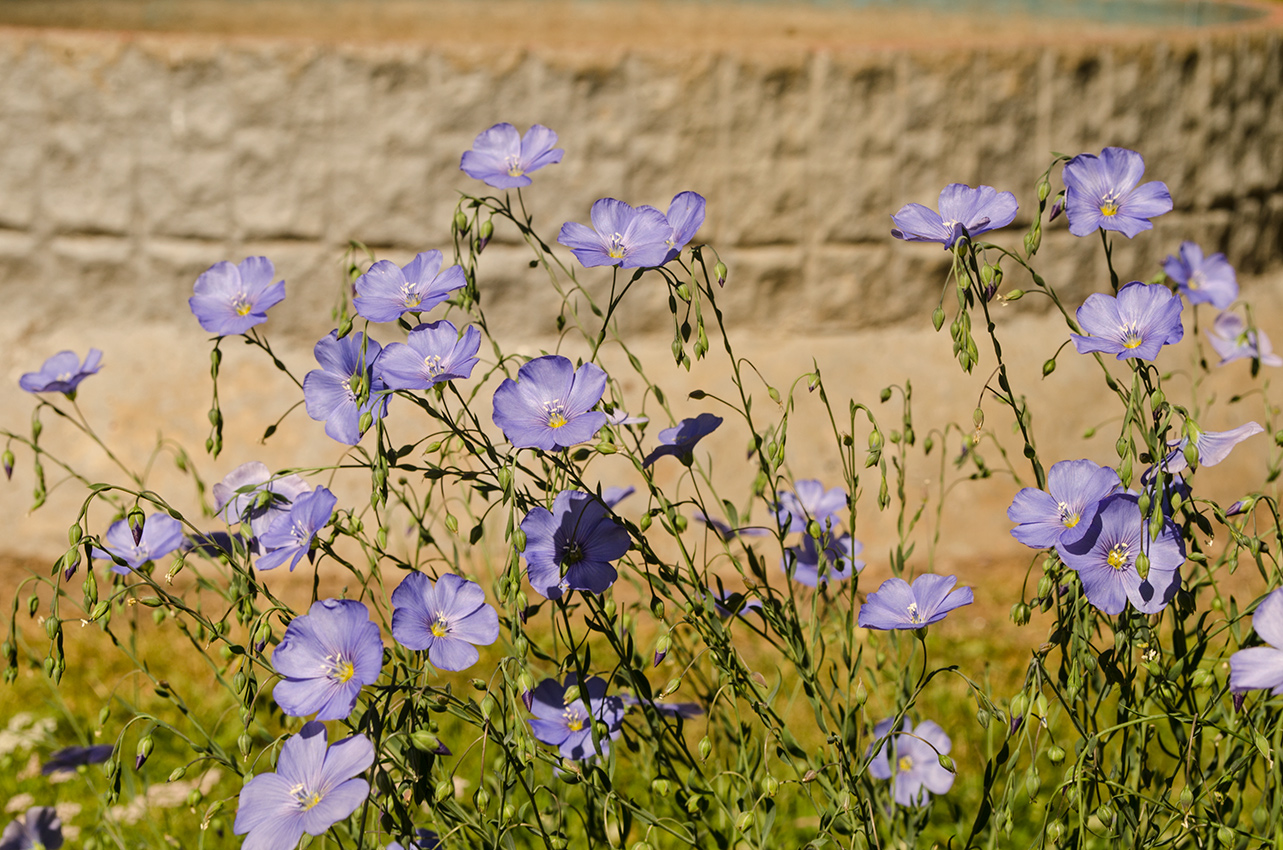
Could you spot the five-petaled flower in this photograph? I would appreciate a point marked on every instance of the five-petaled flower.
(802, 563)
(910, 758)
(161, 535)
(250, 493)
(62, 373)
(620, 236)
(313, 788)
(449, 619)
(502, 159)
(571, 547)
(1137, 323)
(549, 406)
(1065, 511)
(1101, 193)
(962, 209)
(899, 605)
(1105, 558)
(1260, 667)
(388, 291)
(809, 501)
(431, 354)
(39, 828)
(326, 657)
(331, 392)
(1203, 280)
(682, 437)
(568, 726)
(1212, 446)
(290, 535)
(231, 299)
(1233, 340)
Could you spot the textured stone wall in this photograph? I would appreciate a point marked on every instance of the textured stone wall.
(129, 163)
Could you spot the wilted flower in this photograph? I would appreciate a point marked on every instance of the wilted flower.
(1075, 489)
(549, 406)
(568, 725)
(161, 535)
(239, 496)
(388, 291)
(329, 392)
(62, 373)
(910, 758)
(312, 789)
(1261, 667)
(502, 159)
(431, 353)
(1233, 340)
(961, 208)
(232, 299)
(1101, 192)
(38, 829)
(897, 605)
(571, 546)
(1203, 280)
(69, 758)
(327, 656)
(682, 437)
(1105, 559)
(685, 215)
(802, 563)
(620, 236)
(290, 535)
(809, 501)
(450, 620)
(1212, 446)
(1137, 323)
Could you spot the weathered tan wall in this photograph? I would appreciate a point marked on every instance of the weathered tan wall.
(130, 163)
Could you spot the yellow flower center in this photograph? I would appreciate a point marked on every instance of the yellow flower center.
(616, 250)
(306, 799)
(432, 365)
(574, 720)
(343, 670)
(914, 616)
(1109, 205)
(439, 627)
(514, 166)
(242, 305)
(1119, 557)
(1131, 336)
(1067, 515)
(556, 420)
(905, 764)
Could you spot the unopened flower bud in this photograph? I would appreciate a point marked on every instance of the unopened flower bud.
(1057, 207)
(460, 222)
(661, 648)
(657, 607)
(1014, 295)
(1191, 454)
(720, 271)
(444, 790)
(770, 786)
(367, 419)
(937, 317)
(946, 762)
(744, 821)
(8, 464)
(705, 748)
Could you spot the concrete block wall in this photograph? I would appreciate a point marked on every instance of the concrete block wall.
(130, 162)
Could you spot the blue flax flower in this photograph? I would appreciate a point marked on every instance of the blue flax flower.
(1075, 489)
(571, 547)
(68, 759)
(388, 291)
(328, 392)
(62, 373)
(424, 839)
(450, 620)
(612, 496)
(290, 536)
(568, 725)
(910, 758)
(1137, 323)
(230, 299)
(961, 208)
(550, 404)
(685, 215)
(1212, 446)
(38, 829)
(1203, 280)
(1261, 667)
(802, 563)
(682, 437)
(161, 535)
(1102, 193)
(501, 158)
(327, 656)
(1105, 559)
(1232, 339)
(897, 605)
(809, 501)
(431, 354)
(239, 497)
(312, 789)
(620, 236)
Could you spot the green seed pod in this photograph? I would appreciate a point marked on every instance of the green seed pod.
(1056, 754)
(705, 748)
(661, 787)
(946, 762)
(178, 773)
(937, 318)
(1044, 189)
(444, 791)
(744, 821)
(1015, 295)
(572, 694)
(770, 786)
(1049, 367)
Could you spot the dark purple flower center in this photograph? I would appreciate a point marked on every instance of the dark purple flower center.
(572, 554)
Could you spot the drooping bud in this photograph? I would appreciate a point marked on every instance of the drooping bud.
(484, 232)
(937, 318)
(8, 464)
(720, 270)
(1057, 207)
(460, 222)
(1049, 367)
(661, 648)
